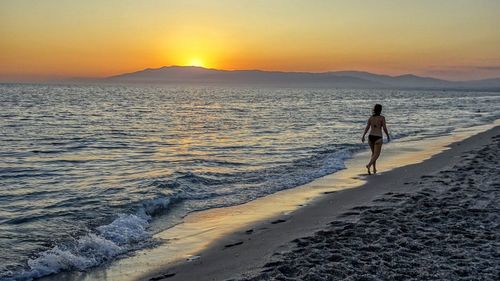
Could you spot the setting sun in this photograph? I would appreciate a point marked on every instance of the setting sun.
(54, 40)
(196, 62)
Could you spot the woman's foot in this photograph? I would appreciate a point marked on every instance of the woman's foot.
(368, 168)
(374, 171)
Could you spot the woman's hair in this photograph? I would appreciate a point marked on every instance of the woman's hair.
(377, 109)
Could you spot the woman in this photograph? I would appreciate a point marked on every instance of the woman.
(376, 123)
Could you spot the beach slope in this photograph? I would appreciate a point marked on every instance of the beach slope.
(435, 220)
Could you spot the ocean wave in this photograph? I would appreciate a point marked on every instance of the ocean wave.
(129, 232)
(225, 189)
(159, 204)
(126, 233)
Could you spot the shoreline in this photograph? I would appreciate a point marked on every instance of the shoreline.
(202, 232)
(246, 251)
(446, 226)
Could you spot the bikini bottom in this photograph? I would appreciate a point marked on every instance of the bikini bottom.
(373, 139)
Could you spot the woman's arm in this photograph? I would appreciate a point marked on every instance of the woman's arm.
(366, 130)
(385, 129)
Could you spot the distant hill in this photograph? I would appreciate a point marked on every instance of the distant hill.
(340, 79)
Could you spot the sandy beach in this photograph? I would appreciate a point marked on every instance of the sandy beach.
(435, 220)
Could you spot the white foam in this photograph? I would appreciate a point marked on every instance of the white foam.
(153, 206)
(125, 229)
(126, 233)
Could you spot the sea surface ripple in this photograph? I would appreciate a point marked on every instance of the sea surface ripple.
(84, 169)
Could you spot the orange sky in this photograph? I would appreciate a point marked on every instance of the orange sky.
(45, 39)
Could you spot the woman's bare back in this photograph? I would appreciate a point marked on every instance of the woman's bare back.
(376, 124)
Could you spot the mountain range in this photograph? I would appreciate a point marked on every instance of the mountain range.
(339, 79)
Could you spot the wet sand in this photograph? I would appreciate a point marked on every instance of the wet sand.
(432, 220)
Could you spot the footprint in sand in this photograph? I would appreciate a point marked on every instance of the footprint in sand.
(193, 258)
(234, 244)
(161, 277)
(278, 221)
(349, 213)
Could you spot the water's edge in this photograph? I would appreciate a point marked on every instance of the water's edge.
(201, 229)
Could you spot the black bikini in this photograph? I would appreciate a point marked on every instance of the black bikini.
(372, 138)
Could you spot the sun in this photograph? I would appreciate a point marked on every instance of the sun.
(196, 62)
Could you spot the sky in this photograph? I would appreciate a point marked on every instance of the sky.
(53, 39)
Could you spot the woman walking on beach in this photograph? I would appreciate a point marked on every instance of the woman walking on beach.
(375, 139)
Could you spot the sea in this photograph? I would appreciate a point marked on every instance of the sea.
(85, 170)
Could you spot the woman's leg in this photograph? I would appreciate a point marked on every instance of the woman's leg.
(372, 144)
(376, 153)
(372, 147)
(377, 147)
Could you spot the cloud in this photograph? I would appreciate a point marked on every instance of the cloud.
(462, 72)
(463, 67)
(489, 67)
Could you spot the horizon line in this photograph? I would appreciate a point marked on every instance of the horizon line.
(62, 78)
(284, 71)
